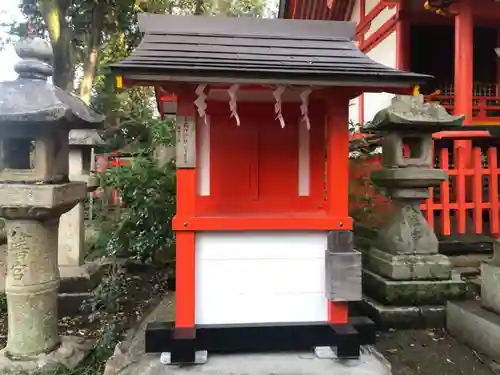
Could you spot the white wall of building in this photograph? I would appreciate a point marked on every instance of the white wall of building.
(354, 111)
(355, 15)
(384, 16)
(257, 277)
(383, 53)
(354, 103)
(370, 4)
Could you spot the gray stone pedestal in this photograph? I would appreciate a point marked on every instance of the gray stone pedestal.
(408, 283)
(78, 279)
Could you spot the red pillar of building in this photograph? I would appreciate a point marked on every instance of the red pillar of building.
(402, 37)
(464, 76)
(464, 64)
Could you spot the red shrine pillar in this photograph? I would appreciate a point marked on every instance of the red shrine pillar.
(185, 240)
(464, 77)
(337, 179)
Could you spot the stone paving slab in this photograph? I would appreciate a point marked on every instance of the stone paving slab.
(370, 363)
(475, 326)
(129, 358)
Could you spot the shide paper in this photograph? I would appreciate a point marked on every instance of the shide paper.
(200, 102)
(304, 99)
(277, 106)
(232, 103)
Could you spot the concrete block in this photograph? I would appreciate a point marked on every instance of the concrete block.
(475, 326)
(490, 287)
(370, 363)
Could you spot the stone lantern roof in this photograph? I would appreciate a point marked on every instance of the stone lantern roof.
(85, 138)
(410, 113)
(30, 104)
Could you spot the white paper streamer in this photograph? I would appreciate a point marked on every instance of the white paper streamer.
(277, 106)
(304, 98)
(232, 102)
(200, 103)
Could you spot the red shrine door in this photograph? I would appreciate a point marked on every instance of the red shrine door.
(255, 167)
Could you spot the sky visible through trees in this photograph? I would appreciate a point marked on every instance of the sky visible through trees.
(9, 11)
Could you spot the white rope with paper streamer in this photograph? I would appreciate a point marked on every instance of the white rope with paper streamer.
(200, 103)
(232, 102)
(304, 107)
(277, 106)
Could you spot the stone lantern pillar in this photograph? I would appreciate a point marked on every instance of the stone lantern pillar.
(35, 120)
(405, 279)
(72, 228)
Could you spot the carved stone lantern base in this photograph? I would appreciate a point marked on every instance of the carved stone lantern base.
(32, 215)
(70, 352)
(407, 281)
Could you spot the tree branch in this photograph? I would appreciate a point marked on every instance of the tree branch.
(60, 37)
(91, 57)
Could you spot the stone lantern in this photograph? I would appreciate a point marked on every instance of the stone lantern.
(404, 273)
(35, 120)
(72, 228)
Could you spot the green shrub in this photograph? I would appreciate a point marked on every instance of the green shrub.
(142, 230)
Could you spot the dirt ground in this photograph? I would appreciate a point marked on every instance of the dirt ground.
(432, 352)
(411, 352)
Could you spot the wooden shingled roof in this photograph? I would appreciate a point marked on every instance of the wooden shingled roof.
(260, 51)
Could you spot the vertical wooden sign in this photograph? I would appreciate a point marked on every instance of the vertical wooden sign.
(186, 142)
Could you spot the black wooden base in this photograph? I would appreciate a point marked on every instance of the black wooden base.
(182, 343)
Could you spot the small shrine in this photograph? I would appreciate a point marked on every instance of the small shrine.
(264, 250)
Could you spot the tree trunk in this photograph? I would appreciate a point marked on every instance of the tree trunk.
(223, 7)
(199, 7)
(91, 57)
(54, 15)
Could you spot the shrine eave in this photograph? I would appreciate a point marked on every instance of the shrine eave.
(255, 51)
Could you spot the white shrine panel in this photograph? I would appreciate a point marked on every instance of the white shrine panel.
(257, 277)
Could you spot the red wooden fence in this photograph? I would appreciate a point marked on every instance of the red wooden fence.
(103, 161)
(468, 201)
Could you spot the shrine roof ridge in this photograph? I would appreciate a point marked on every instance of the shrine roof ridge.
(243, 50)
(245, 26)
